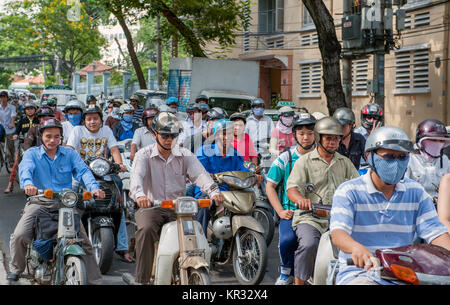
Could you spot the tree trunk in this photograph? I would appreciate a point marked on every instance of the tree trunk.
(130, 47)
(330, 49)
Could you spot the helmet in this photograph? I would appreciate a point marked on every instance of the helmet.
(73, 104)
(204, 107)
(344, 115)
(149, 113)
(303, 119)
(238, 116)
(93, 109)
(90, 98)
(201, 97)
(319, 115)
(328, 125)
(373, 110)
(126, 108)
(222, 124)
(216, 113)
(50, 122)
(30, 105)
(134, 97)
(258, 102)
(286, 111)
(172, 100)
(431, 129)
(45, 111)
(51, 101)
(166, 123)
(4, 93)
(389, 137)
(222, 227)
(192, 107)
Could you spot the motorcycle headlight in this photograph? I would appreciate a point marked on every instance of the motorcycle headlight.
(99, 167)
(69, 199)
(187, 206)
(128, 146)
(239, 183)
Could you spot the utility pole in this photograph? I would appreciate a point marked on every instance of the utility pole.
(159, 52)
(347, 65)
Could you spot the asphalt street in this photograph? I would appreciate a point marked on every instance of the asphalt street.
(12, 204)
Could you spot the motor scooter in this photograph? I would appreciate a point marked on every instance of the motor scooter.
(54, 255)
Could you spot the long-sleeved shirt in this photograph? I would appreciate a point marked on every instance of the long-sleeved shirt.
(160, 179)
(259, 130)
(39, 170)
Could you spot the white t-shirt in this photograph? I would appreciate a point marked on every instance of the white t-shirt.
(143, 137)
(89, 144)
(67, 129)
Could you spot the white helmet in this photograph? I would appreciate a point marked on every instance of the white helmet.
(319, 115)
(222, 227)
(126, 108)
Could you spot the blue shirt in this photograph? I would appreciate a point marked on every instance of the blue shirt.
(377, 223)
(211, 159)
(38, 169)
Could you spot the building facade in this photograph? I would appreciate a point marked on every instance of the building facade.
(283, 39)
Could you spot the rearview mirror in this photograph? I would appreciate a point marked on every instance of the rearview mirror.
(310, 188)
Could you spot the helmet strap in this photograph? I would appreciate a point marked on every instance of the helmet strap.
(159, 143)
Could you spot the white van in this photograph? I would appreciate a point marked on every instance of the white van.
(63, 94)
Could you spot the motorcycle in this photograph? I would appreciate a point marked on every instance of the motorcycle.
(416, 264)
(233, 233)
(102, 219)
(55, 260)
(182, 253)
(129, 205)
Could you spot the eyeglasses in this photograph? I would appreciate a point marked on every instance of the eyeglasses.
(165, 136)
(394, 156)
(332, 138)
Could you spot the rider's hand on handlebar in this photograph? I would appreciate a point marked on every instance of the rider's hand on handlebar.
(123, 168)
(259, 179)
(363, 258)
(143, 202)
(286, 214)
(99, 194)
(30, 190)
(304, 204)
(218, 199)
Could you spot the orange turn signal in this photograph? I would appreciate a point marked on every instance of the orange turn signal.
(87, 195)
(322, 213)
(405, 274)
(167, 204)
(204, 203)
(48, 193)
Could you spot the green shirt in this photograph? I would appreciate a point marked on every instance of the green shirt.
(312, 168)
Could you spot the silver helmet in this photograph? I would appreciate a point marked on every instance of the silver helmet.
(222, 227)
(344, 115)
(74, 104)
(166, 123)
(126, 108)
(389, 137)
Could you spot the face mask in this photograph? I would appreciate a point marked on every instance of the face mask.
(258, 111)
(127, 118)
(431, 149)
(287, 121)
(390, 171)
(74, 119)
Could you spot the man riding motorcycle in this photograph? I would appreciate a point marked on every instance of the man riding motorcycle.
(326, 169)
(380, 209)
(303, 129)
(50, 166)
(74, 111)
(159, 172)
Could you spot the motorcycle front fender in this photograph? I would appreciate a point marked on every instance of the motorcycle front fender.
(73, 250)
(195, 262)
(101, 222)
(263, 204)
(238, 221)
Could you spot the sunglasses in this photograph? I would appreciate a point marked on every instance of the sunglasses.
(375, 117)
(165, 136)
(394, 156)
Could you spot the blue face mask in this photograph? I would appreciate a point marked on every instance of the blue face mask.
(127, 118)
(390, 171)
(74, 119)
(258, 111)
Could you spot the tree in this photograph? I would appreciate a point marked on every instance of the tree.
(330, 50)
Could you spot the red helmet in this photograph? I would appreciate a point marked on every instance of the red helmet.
(371, 110)
(149, 113)
(431, 129)
(50, 122)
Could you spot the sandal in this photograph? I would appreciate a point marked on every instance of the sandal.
(125, 257)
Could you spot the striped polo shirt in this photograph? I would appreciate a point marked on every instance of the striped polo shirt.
(375, 222)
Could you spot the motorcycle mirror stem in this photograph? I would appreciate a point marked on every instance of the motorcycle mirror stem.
(311, 188)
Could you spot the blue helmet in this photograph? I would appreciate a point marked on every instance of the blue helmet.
(172, 100)
(222, 124)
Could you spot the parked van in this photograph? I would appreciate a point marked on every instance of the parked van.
(62, 93)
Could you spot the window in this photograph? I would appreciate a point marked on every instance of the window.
(270, 16)
(314, 39)
(411, 70)
(305, 40)
(279, 44)
(246, 34)
(360, 73)
(310, 78)
(421, 19)
(306, 17)
(407, 22)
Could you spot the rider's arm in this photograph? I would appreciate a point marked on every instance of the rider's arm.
(295, 183)
(138, 172)
(26, 169)
(82, 173)
(133, 151)
(443, 205)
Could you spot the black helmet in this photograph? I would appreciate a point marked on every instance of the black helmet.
(93, 109)
(201, 97)
(166, 123)
(4, 93)
(30, 104)
(304, 119)
(150, 112)
(238, 116)
(90, 98)
(45, 111)
(50, 122)
(216, 113)
(192, 107)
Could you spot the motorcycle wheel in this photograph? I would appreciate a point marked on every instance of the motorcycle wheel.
(103, 244)
(198, 277)
(265, 218)
(251, 267)
(75, 271)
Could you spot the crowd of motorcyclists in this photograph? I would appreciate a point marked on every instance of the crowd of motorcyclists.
(385, 189)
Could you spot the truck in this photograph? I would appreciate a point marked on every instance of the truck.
(229, 84)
